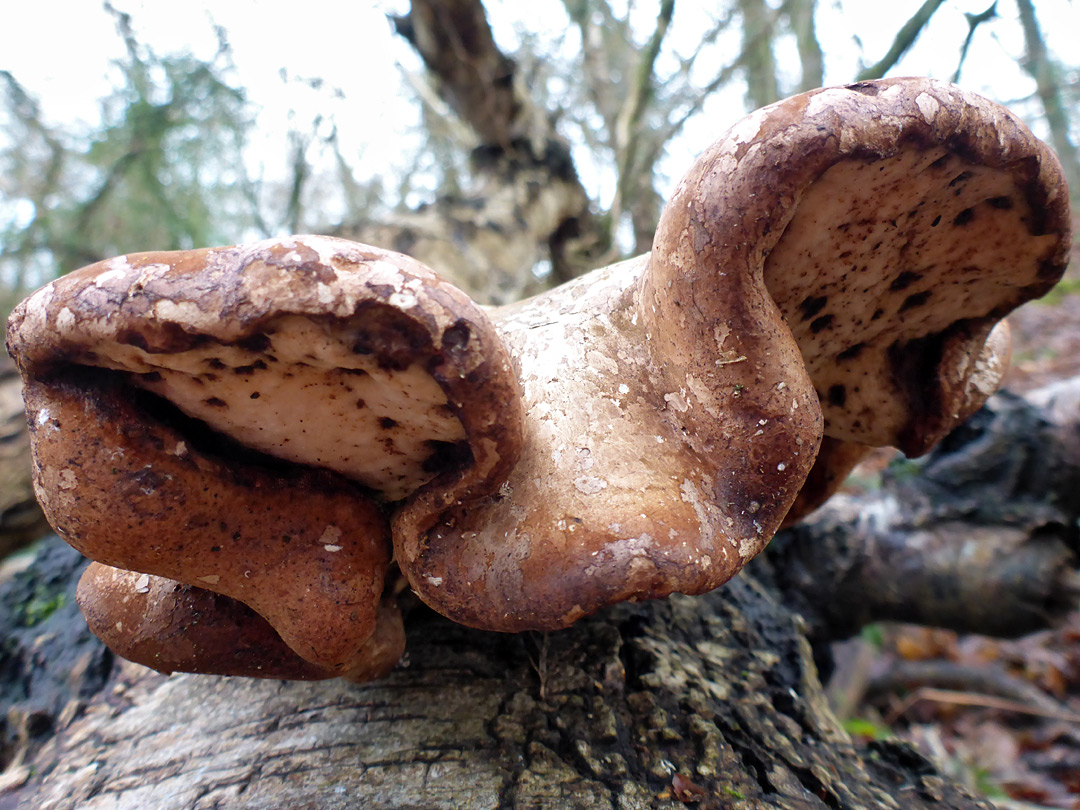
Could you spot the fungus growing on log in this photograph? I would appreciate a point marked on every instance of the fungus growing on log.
(828, 277)
(240, 420)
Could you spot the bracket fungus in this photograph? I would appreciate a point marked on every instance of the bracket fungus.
(238, 420)
(256, 435)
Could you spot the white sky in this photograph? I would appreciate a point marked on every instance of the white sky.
(352, 47)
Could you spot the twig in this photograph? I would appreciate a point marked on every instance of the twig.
(540, 663)
(973, 21)
(905, 38)
(973, 699)
(948, 676)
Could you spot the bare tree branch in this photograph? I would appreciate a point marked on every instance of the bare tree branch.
(800, 14)
(905, 38)
(757, 57)
(973, 21)
(1038, 64)
(635, 191)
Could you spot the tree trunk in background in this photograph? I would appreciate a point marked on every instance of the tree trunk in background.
(527, 203)
(525, 211)
(1048, 88)
(801, 15)
(757, 59)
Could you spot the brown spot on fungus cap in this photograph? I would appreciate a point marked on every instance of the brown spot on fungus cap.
(831, 268)
(195, 415)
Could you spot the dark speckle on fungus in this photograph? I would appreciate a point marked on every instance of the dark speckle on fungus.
(812, 305)
(258, 365)
(456, 337)
(904, 280)
(866, 88)
(965, 217)
(255, 343)
(852, 352)
(916, 300)
(447, 456)
(822, 323)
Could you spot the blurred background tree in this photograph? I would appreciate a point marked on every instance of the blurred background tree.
(164, 166)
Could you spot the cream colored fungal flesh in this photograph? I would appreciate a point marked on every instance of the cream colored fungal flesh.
(308, 398)
(882, 253)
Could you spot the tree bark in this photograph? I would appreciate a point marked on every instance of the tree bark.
(21, 519)
(979, 536)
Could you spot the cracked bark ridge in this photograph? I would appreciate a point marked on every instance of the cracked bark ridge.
(979, 536)
(21, 519)
(719, 690)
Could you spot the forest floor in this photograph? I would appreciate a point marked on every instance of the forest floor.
(1001, 716)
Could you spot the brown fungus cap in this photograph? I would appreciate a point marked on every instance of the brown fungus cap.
(171, 627)
(832, 267)
(236, 418)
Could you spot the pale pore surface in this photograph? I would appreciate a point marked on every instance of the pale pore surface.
(308, 398)
(882, 253)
